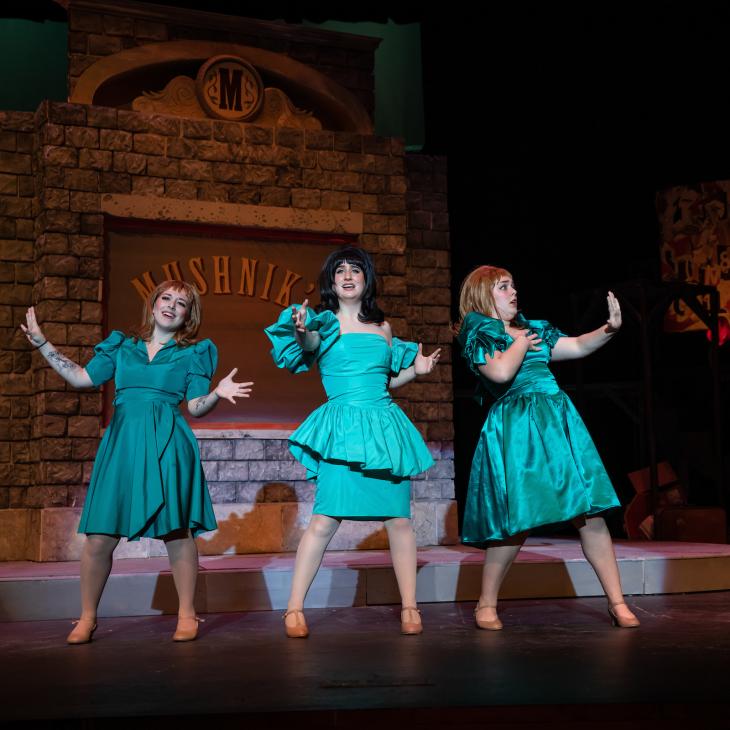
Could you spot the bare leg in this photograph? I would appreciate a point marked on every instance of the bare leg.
(96, 564)
(497, 561)
(316, 537)
(595, 540)
(402, 541)
(183, 555)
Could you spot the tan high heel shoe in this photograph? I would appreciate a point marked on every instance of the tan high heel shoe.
(622, 623)
(493, 624)
(411, 628)
(187, 628)
(299, 630)
(82, 632)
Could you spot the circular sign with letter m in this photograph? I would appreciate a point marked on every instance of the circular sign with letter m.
(229, 88)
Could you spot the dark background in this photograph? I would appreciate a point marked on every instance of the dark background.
(560, 125)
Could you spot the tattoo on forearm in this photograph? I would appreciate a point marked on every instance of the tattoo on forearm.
(60, 362)
(201, 404)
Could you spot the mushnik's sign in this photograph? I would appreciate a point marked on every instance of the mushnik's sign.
(244, 284)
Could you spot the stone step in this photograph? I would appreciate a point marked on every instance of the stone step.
(545, 568)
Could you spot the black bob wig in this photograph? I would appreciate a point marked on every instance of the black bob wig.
(369, 311)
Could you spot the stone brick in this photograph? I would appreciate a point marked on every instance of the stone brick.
(91, 312)
(8, 141)
(133, 121)
(213, 151)
(15, 207)
(25, 229)
(258, 135)
(259, 175)
(90, 404)
(84, 448)
(391, 204)
(332, 200)
(87, 180)
(347, 181)
(91, 267)
(49, 425)
(216, 449)
(95, 159)
(149, 144)
(163, 167)
(348, 142)
(233, 471)
(196, 170)
(215, 192)
(58, 265)
(143, 185)
(118, 25)
(86, 245)
(58, 312)
(92, 224)
(63, 113)
(15, 294)
(317, 139)
(101, 116)
(117, 140)
(336, 161)
(228, 132)
(115, 182)
(183, 148)
(26, 186)
(247, 196)
(86, 426)
(164, 125)
(82, 137)
(227, 172)
(289, 177)
(51, 287)
(85, 202)
(306, 198)
(8, 185)
(364, 203)
(55, 198)
(280, 197)
(184, 189)
(287, 137)
(436, 239)
(131, 162)
(58, 156)
(249, 449)
(197, 129)
(83, 289)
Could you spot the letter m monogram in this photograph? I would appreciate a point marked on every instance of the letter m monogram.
(231, 80)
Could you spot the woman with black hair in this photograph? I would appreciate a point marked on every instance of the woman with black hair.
(359, 447)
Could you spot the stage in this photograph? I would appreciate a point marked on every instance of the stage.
(557, 664)
(545, 568)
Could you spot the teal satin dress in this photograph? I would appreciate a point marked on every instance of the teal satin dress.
(359, 447)
(147, 479)
(535, 463)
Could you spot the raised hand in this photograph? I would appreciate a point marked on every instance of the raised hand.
(614, 313)
(425, 364)
(231, 390)
(299, 317)
(31, 329)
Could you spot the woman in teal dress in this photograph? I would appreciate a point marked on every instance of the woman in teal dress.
(359, 447)
(147, 479)
(535, 463)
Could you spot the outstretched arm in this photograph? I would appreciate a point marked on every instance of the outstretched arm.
(308, 341)
(72, 373)
(227, 389)
(573, 348)
(421, 365)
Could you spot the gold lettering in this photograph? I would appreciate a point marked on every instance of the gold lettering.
(248, 276)
(172, 270)
(267, 284)
(197, 268)
(222, 274)
(284, 297)
(144, 287)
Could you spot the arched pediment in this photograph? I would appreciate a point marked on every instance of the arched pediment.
(116, 80)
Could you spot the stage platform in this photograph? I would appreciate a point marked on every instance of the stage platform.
(545, 568)
(557, 665)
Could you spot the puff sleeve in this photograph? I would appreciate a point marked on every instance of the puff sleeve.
(203, 362)
(103, 365)
(548, 332)
(403, 355)
(286, 351)
(481, 336)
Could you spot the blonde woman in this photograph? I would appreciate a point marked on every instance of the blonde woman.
(535, 463)
(147, 479)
